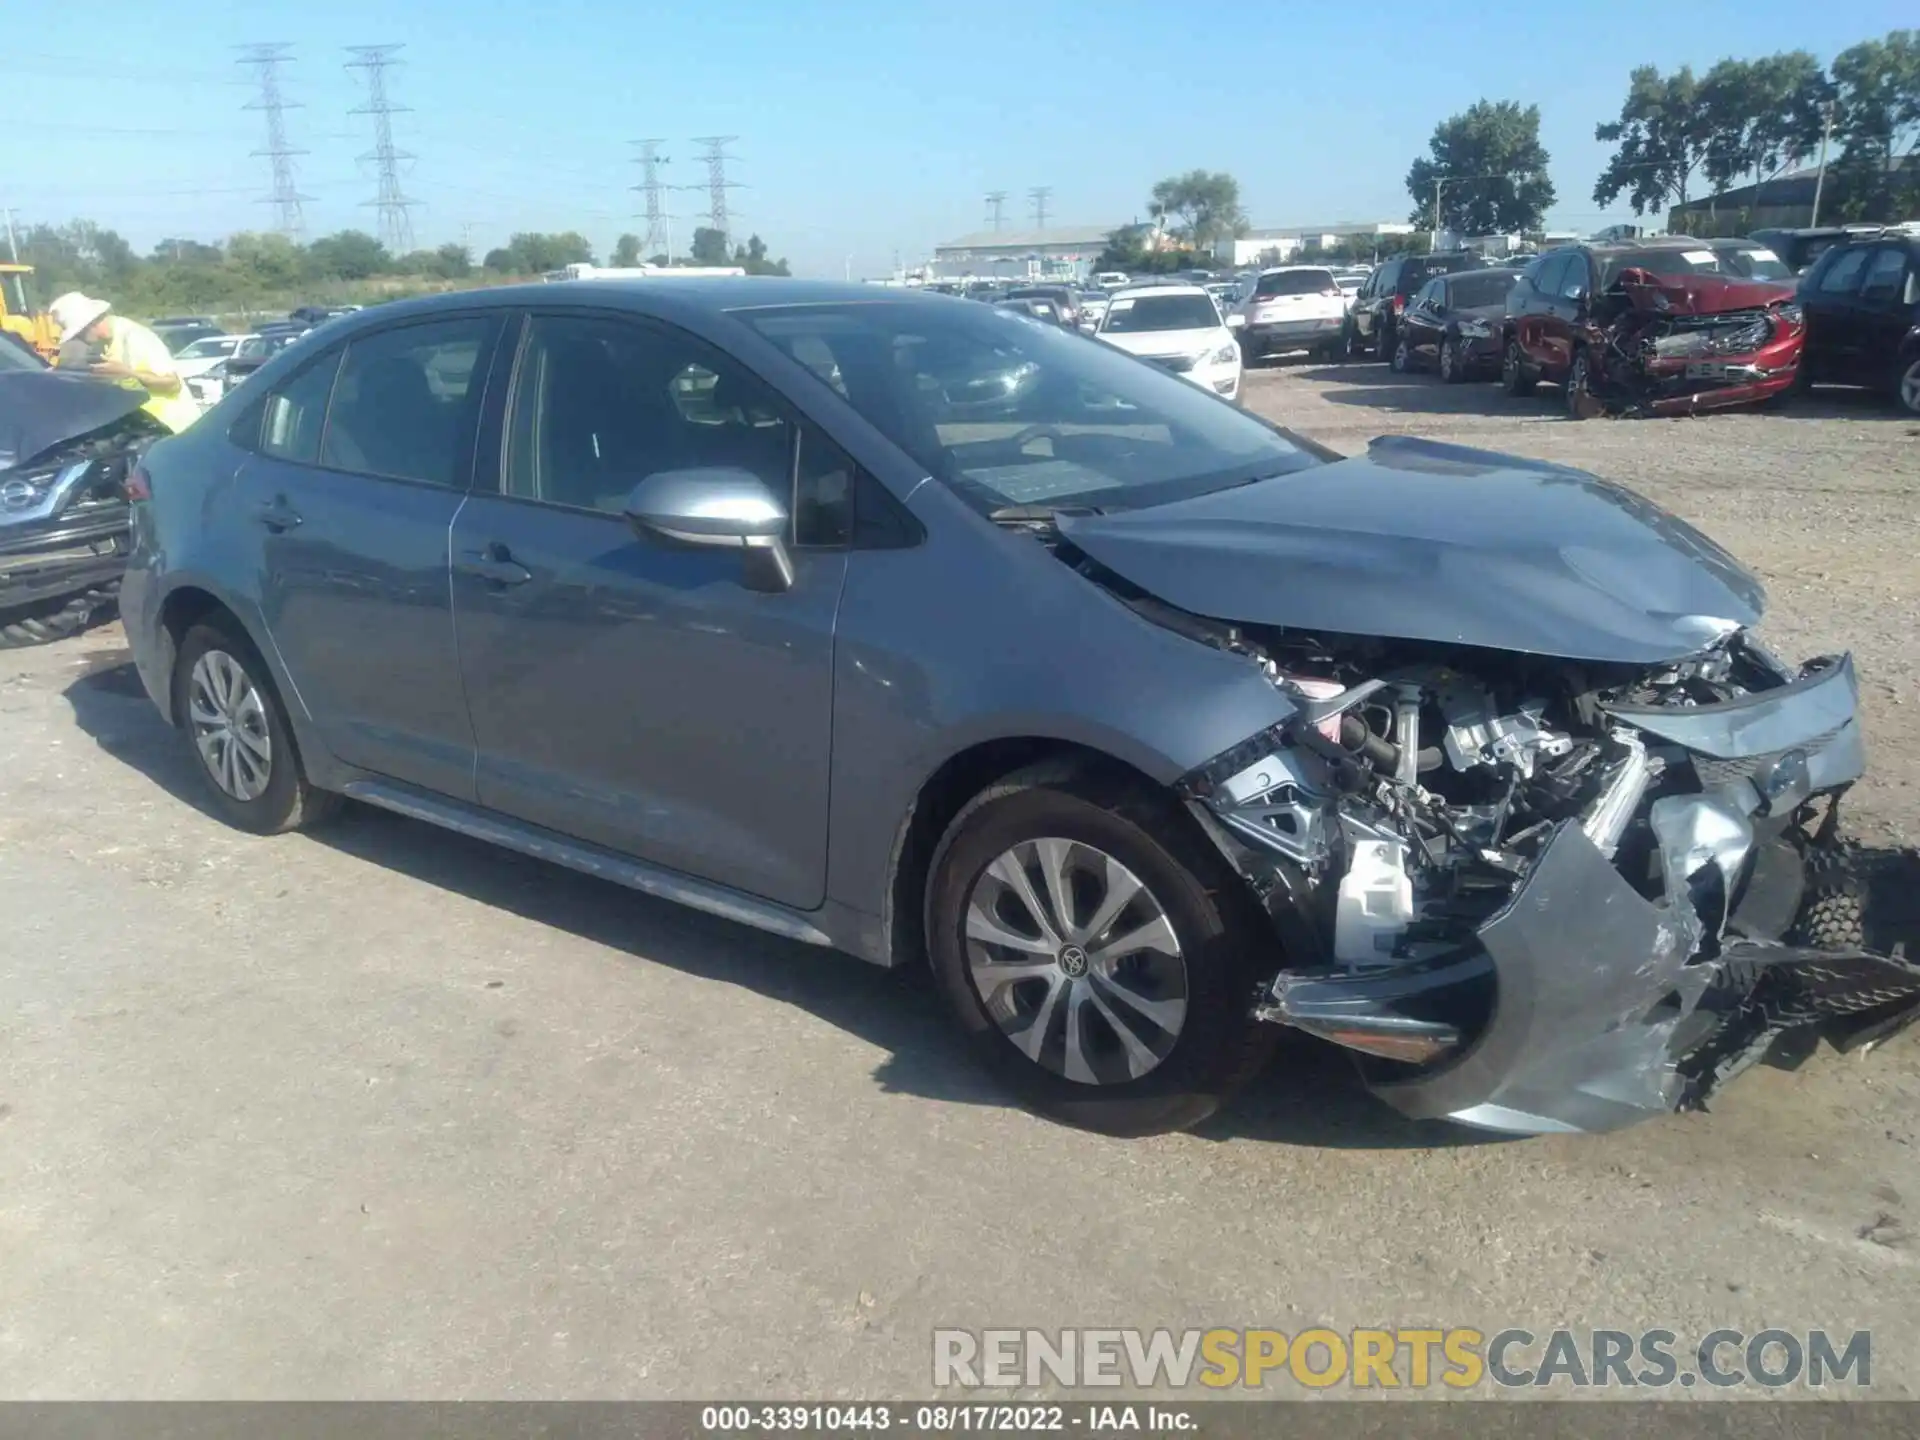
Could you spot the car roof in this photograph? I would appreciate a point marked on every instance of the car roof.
(1291, 269)
(1132, 290)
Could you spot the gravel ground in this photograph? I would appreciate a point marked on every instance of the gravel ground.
(380, 1112)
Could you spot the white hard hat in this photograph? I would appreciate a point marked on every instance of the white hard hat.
(74, 312)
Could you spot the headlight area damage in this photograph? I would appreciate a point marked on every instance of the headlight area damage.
(1536, 895)
(1672, 346)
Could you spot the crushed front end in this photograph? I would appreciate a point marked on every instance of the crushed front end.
(1538, 895)
(1672, 347)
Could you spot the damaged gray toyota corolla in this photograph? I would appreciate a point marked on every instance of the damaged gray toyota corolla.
(1552, 848)
(911, 627)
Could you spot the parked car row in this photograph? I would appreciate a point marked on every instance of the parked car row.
(1662, 325)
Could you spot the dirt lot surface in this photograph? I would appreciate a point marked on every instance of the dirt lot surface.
(379, 1111)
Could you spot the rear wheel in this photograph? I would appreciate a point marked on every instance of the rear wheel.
(1383, 340)
(225, 700)
(1098, 956)
(1513, 371)
(1906, 384)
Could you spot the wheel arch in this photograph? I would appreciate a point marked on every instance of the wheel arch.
(945, 792)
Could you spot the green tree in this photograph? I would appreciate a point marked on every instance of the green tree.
(1877, 121)
(709, 246)
(257, 264)
(1660, 141)
(186, 252)
(1488, 168)
(626, 252)
(1762, 116)
(1200, 208)
(752, 257)
(452, 261)
(348, 255)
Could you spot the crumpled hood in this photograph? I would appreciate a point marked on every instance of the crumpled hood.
(1422, 541)
(1699, 294)
(40, 409)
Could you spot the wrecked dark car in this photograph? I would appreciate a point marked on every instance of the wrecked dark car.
(1654, 328)
(66, 445)
(943, 638)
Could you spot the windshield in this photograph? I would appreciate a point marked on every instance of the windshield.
(1138, 315)
(1010, 413)
(1294, 282)
(1470, 291)
(1738, 263)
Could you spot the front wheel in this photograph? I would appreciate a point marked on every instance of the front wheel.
(1580, 400)
(1450, 361)
(225, 700)
(1095, 953)
(1402, 360)
(1513, 371)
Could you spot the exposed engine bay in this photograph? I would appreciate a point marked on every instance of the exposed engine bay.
(1535, 894)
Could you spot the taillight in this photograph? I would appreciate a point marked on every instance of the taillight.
(1399, 304)
(139, 484)
(1331, 290)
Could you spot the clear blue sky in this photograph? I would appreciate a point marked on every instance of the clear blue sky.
(864, 130)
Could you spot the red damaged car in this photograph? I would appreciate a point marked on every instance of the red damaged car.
(1654, 327)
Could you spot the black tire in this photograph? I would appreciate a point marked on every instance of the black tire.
(1579, 385)
(1383, 339)
(1350, 345)
(56, 619)
(1219, 1045)
(1514, 378)
(1449, 362)
(1906, 383)
(288, 801)
(1401, 361)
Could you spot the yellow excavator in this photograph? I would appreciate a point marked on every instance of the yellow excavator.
(18, 316)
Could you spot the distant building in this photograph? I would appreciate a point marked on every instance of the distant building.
(1784, 202)
(1059, 252)
(1297, 242)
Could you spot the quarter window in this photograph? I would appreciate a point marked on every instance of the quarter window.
(406, 401)
(1884, 273)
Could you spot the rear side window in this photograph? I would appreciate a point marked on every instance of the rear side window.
(1552, 273)
(1387, 278)
(1294, 282)
(294, 415)
(1842, 277)
(406, 399)
(1885, 272)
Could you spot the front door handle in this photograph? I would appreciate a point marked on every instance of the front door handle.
(493, 564)
(276, 514)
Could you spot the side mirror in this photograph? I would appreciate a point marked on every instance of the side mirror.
(1578, 294)
(717, 506)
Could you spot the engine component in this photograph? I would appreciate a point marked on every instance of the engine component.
(1374, 904)
(1606, 820)
(1477, 736)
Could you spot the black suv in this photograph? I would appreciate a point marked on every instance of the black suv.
(1862, 303)
(1374, 317)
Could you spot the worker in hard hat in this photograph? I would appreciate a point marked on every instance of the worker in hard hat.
(125, 350)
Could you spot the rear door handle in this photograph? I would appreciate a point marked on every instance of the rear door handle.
(493, 564)
(276, 514)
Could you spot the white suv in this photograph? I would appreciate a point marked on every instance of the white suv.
(1292, 307)
(1177, 327)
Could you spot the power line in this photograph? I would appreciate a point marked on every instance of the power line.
(715, 148)
(396, 226)
(286, 197)
(996, 209)
(1040, 195)
(659, 237)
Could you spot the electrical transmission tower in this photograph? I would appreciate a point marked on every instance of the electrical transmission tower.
(396, 227)
(286, 197)
(659, 237)
(715, 148)
(1040, 195)
(996, 209)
